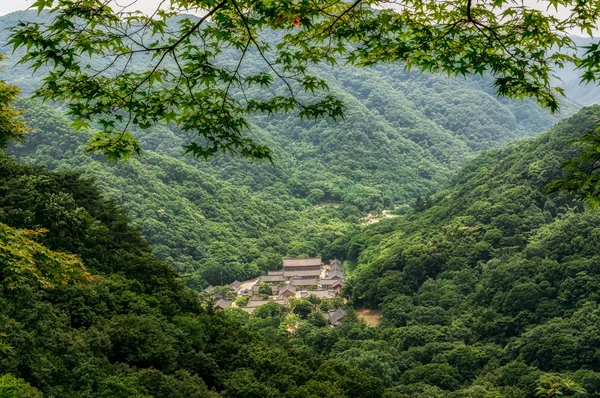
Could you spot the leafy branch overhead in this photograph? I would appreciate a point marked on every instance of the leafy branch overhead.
(186, 83)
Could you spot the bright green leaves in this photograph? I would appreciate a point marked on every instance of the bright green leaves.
(115, 148)
(11, 387)
(562, 387)
(590, 63)
(12, 126)
(520, 47)
(185, 82)
(24, 261)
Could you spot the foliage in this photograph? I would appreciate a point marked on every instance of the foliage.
(265, 289)
(224, 292)
(401, 138)
(566, 388)
(583, 172)
(24, 261)
(11, 123)
(11, 387)
(187, 84)
(489, 288)
(487, 291)
(136, 331)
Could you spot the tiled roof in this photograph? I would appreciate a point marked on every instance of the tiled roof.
(302, 262)
(287, 288)
(337, 268)
(322, 294)
(331, 282)
(258, 303)
(335, 263)
(336, 316)
(313, 272)
(335, 274)
(222, 303)
(272, 278)
(303, 282)
(278, 272)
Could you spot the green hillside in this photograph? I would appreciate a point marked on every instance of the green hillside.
(487, 289)
(490, 287)
(131, 329)
(404, 135)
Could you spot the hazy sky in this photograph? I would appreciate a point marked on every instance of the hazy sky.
(7, 6)
(149, 6)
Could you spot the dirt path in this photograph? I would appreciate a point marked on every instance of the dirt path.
(371, 317)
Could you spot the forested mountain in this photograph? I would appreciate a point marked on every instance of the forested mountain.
(491, 283)
(489, 289)
(403, 136)
(130, 328)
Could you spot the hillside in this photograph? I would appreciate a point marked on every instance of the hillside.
(404, 135)
(489, 289)
(130, 329)
(492, 287)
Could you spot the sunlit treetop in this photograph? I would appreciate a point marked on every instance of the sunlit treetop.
(23, 261)
(182, 82)
(12, 126)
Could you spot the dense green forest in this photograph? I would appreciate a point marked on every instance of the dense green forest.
(403, 136)
(487, 290)
(491, 283)
(487, 286)
(132, 329)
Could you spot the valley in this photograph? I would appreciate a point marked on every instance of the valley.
(410, 249)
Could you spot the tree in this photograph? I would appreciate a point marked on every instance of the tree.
(265, 289)
(549, 388)
(26, 262)
(11, 125)
(185, 84)
(11, 387)
(582, 173)
(224, 292)
(270, 310)
(301, 307)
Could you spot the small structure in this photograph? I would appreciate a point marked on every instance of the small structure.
(327, 283)
(335, 274)
(277, 272)
(235, 285)
(272, 279)
(337, 285)
(254, 304)
(221, 304)
(286, 292)
(336, 316)
(336, 264)
(208, 289)
(322, 294)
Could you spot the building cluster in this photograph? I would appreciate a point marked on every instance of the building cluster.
(299, 278)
